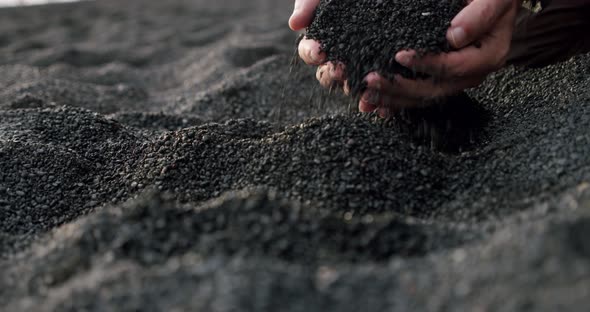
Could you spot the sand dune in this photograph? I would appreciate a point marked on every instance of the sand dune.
(161, 155)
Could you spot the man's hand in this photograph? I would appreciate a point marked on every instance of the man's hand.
(481, 33)
(328, 74)
(309, 50)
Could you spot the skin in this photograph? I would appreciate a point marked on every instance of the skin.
(480, 33)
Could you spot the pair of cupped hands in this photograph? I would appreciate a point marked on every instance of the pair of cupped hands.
(480, 36)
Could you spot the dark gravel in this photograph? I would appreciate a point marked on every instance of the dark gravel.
(211, 175)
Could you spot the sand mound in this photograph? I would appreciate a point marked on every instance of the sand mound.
(211, 175)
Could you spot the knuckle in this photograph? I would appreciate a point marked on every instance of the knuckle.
(487, 11)
(492, 9)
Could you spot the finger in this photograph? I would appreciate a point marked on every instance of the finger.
(329, 75)
(428, 89)
(403, 92)
(346, 87)
(453, 64)
(381, 96)
(469, 61)
(475, 20)
(393, 103)
(310, 52)
(302, 13)
(388, 105)
(371, 96)
(406, 58)
(323, 75)
(365, 107)
(337, 72)
(376, 82)
(385, 112)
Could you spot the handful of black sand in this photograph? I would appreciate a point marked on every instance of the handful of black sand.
(365, 35)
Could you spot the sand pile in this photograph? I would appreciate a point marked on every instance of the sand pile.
(160, 156)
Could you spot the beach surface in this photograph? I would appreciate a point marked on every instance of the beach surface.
(173, 155)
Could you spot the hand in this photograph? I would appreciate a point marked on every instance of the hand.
(328, 74)
(309, 50)
(481, 32)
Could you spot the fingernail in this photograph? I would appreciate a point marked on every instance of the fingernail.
(458, 37)
(313, 56)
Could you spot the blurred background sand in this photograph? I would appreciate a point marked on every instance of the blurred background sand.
(29, 2)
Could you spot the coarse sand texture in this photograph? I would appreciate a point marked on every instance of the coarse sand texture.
(166, 156)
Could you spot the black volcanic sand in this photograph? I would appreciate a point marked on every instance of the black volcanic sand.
(365, 35)
(165, 156)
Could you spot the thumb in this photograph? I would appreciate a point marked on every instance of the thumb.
(302, 13)
(475, 20)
